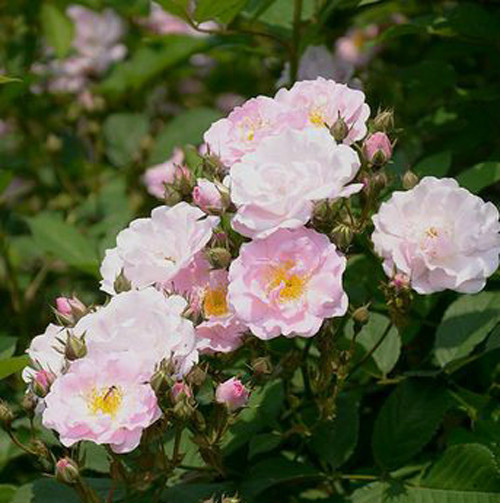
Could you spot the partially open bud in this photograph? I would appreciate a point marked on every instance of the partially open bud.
(219, 258)
(384, 121)
(121, 283)
(361, 315)
(211, 197)
(75, 347)
(180, 390)
(42, 381)
(339, 130)
(377, 149)
(67, 471)
(232, 393)
(70, 310)
(400, 281)
(410, 179)
(6, 415)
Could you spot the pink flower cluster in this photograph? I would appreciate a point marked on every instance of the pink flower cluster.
(183, 286)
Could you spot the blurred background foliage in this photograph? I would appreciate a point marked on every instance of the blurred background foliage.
(70, 179)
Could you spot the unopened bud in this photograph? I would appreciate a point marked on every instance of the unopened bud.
(29, 403)
(121, 283)
(219, 258)
(67, 471)
(6, 415)
(380, 180)
(160, 381)
(40, 449)
(54, 143)
(361, 315)
(70, 310)
(400, 281)
(172, 196)
(75, 347)
(179, 391)
(410, 179)
(42, 381)
(339, 130)
(197, 376)
(384, 121)
(377, 149)
(212, 164)
(262, 365)
(183, 409)
(211, 197)
(183, 181)
(342, 236)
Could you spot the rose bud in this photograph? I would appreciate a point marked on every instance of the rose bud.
(75, 347)
(180, 390)
(210, 197)
(219, 258)
(400, 281)
(339, 130)
(42, 382)
(410, 180)
(67, 471)
(378, 148)
(70, 310)
(6, 414)
(232, 393)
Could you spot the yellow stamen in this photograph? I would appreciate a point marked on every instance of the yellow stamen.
(316, 117)
(292, 286)
(432, 232)
(215, 302)
(105, 400)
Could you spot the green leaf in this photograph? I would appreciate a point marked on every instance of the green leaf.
(221, 10)
(123, 134)
(473, 21)
(260, 444)
(187, 127)
(49, 491)
(262, 409)
(467, 467)
(381, 492)
(149, 62)
(272, 472)
(95, 456)
(57, 29)
(7, 492)
(7, 346)
(12, 365)
(280, 13)
(407, 421)
(334, 441)
(178, 8)
(5, 79)
(194, 493)
(387, 354)
(465, 324)
(64, 242)
(480, 176)
(400, 30)
(23, 495)
(434, 165)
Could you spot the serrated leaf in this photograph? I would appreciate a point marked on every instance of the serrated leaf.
(465, 324)
(407, 421)
(57, 29)
(64, 242)
(381, 492)
(334, 441)
(467, 467)
(221, 10)
(123, 133)
(480, 176)
(187, 127)
(434, 165)
(12, 365)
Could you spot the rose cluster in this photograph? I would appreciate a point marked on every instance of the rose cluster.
(248, 251)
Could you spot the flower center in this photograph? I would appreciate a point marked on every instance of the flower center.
(105, 400)
(317, 117)
(436, 242)
(215, 302)
(285, 284)
(248, 127)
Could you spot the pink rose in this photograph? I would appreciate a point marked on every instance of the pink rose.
(438, 235)
(209, 197)
(288, 283)
(377, 148)
(232, 393)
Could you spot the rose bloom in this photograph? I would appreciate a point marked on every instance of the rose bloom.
(206, 290)
(244, 128)
(287, 283)
(166, 173)
(105, 399)
(276, 185)
(321, 102)
(153, 250)
(145, 323)
(46, 353)
(440, 236)
(232, 393)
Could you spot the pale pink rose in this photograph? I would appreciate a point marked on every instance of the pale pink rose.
(144, 323)
(46, 352)
(287, 283)
(276, 185)
(319, 102)
(105, 399)
(208, 197)
(378, 148)
(232, 393)
(440, 236)
(244, 128)
(153, 250)
(157, 177)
